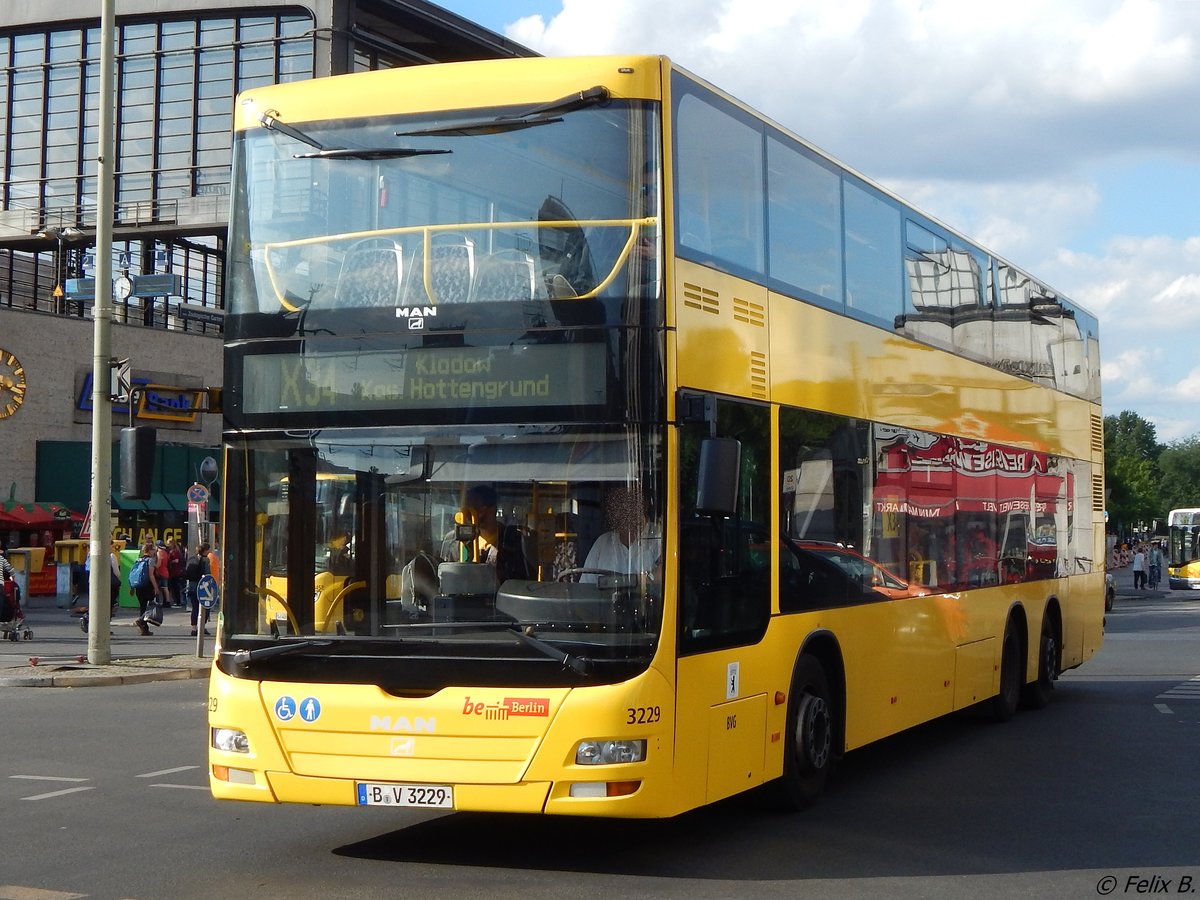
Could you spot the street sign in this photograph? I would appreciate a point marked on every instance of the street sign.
(208, 592)
(199, 313)
(122, 380)
(197, 493)
(81, 288)
(165, 284)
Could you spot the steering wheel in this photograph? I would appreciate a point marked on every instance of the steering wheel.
(267, 592)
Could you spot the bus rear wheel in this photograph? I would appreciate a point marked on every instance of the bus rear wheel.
(1004, 705)
(809, 746)
(1037, 694)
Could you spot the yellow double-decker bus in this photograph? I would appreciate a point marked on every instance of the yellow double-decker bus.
(597, 446)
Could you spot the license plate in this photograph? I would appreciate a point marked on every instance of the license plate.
(425, 796)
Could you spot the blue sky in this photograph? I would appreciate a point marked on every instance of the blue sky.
(1063, 135)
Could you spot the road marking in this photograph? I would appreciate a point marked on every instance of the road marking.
(184, 787)
(47, 778)
(1187, 690)
(61, 793)
(17, 892)
(167, 771)
(1164, 709)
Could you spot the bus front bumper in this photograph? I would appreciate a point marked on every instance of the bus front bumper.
(525, 797)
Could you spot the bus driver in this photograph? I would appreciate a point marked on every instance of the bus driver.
(632, 547)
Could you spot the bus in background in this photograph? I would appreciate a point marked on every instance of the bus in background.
(596, 446)
(1183, 559)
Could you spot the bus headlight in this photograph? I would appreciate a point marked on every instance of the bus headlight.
(231, 740)
(603, 753)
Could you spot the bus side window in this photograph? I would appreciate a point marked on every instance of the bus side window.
(725, 573)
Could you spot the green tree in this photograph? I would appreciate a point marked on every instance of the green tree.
(1131, 454)
(1179, 465)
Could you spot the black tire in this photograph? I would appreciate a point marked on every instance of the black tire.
(809, 745)
(1004, 705)
(1110, 599)
(1037, 694)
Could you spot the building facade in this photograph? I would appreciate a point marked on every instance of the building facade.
(180, 64)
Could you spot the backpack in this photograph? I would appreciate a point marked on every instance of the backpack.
(139, 575)
(196, 568)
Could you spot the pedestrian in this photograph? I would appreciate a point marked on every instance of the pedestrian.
(114, 588)
(6, 569)
(162, 573)
(1155, 561)
(79, 586)
(146, 590)
(194, 569)
(214, 563)
(176, 557)
(1139, 567)
(114, 580)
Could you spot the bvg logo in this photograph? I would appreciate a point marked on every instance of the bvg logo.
(509, 706)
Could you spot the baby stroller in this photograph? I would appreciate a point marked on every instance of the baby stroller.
(12, 620)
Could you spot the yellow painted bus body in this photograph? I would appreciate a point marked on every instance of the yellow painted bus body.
(902, 662)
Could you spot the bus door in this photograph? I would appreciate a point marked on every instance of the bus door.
(724, 594)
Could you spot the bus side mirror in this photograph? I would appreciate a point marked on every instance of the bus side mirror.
(717, 483)
(137, 462)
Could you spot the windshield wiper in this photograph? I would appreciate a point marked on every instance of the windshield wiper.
(367, 153)
(544, 114)
(576, 664)
(270, 120)
(243, 658)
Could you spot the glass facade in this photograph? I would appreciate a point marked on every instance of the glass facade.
(176, 83)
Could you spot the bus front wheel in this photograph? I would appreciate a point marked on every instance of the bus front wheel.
(810, 730)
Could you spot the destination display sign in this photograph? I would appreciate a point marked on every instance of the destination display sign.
(425, 378)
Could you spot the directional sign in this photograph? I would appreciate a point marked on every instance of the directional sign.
(121, 380)
(208, 592)
(162, 284)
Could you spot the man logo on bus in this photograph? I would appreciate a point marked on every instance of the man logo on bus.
(415, 315)
(404, 723)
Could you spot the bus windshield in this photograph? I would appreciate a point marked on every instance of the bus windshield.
(411, 213)
(510, 547)
(1184, 536)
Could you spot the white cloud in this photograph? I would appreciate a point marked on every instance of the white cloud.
(992, 115)
(900, 86)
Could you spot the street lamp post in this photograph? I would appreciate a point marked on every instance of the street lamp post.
(99, 645)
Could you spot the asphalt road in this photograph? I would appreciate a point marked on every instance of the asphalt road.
(103, 794)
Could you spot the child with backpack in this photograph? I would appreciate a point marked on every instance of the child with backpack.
(143, 581)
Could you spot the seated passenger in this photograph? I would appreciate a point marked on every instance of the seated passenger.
(633, 546)
(499, 544)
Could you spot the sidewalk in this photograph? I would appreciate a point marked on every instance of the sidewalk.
(52, 658)
(1123, 582)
